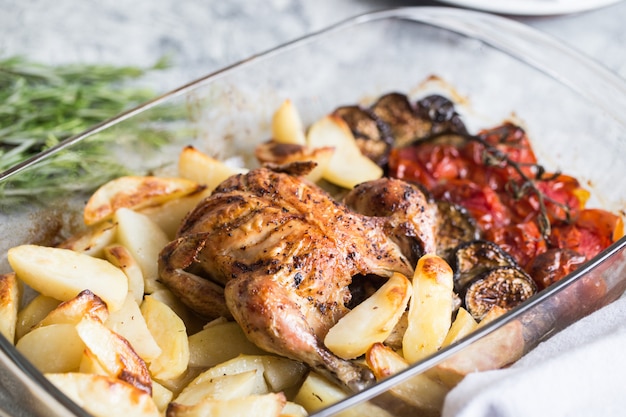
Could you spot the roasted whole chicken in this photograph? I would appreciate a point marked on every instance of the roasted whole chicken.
(277, 253)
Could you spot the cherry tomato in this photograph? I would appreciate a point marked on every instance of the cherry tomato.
(427, 163)
(480, 201)
(589, 234)
(560, 194)
(523, 241)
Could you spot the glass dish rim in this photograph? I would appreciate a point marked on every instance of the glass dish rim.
(498, 32)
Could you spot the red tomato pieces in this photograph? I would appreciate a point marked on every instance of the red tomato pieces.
(477, 175)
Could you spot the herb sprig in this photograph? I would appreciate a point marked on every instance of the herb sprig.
(42, 105)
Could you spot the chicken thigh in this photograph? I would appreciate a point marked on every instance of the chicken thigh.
(277, 254)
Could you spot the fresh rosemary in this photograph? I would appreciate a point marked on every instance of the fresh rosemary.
(42, 105)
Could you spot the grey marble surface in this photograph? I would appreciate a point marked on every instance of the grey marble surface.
(202, 36)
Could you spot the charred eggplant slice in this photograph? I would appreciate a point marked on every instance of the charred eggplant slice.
(505, 286)
(397, 111)
(372, 135)
(472, 258)
(454, 227)
(441, 113)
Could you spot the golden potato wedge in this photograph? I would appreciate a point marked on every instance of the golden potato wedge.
(287, 125)
(116, 356)
(85, 304)
(282, 373)
(63, 273)
(224, 387)
(134, 192)
(267, 405)
(348, 166)
(89, 364)
(420, 391)
(219, 343)
(161, 396)
(199, 167)
(292, 409)
(176, 385)
(53, 348)
(494, 351)
(29, 316)
(121, 257)
(317, 392)
(10, 296)
(169, 215)
(430, 308)
(170, 334)
(462, 325)
(93, 240)
(144, 240)
(372, 321)
(104, 396)
(129, 323)
(242, 363)
(193, 322)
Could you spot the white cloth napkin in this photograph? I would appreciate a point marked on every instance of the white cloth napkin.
(579, 372)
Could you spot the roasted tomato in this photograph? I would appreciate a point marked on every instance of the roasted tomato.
(489, 168)
(554, 264)
(591, 232)
(429, 163)
(523, 241)
(480, 201)
(564, 198)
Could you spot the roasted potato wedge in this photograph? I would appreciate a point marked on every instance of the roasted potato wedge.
(135, 192)
(267, 405)
(129, 323)
(372, 321)
(104, 396)
(33, 312)
(462, 325)
(10, 296)
(219, 343)
(420, 391)
(318, 392)
(494, 351)
(93, 240)
(53, 348)
(144, 240)
(430, 309)
(63, 273)
(199, 167)
(287, 125)
(348, 166)
(121, 257)
(170, 334)
(115, 354)
(224, 387)
(85, 304)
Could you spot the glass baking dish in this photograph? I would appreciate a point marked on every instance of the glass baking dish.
(493, 68)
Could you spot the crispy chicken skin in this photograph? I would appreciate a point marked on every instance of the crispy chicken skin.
(277, 253)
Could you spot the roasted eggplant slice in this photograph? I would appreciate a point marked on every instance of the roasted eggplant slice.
(372, 135)
(472, 258)
(454, 227)
(505, 286)
(398, 112)
(441, 113)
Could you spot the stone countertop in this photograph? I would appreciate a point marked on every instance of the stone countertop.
(201, 37)
(204, 36)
